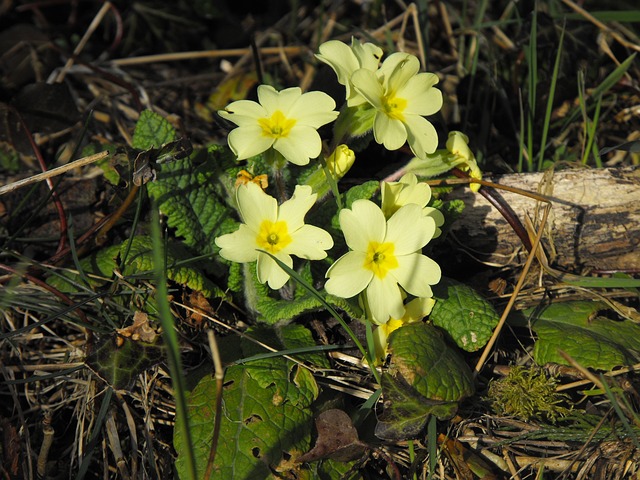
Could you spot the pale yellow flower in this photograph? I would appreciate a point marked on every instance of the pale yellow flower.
(281, 231)
(287, 121)
(345, 60)
(384, 256)
(401, 97)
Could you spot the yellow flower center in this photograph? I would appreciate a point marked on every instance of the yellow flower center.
(380, 258)
(394, 107)
(277, 125)
(273, 236)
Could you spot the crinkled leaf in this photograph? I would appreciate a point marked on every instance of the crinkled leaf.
(426, 376)
(269, 308)
(101, 263)
(190, 193)
(464, 314)
(266, 419)
(120, 364)
(140, 259)
(152, 130)
(573, 327)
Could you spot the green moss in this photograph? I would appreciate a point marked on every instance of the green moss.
(527, 393)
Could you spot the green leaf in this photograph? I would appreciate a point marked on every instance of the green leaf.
(573, 327)
(270, 309)
(192, 193)
(101, 263)
(464, 314)
(120, 365)
(140, 260)
(426, 376)
(267, 418)
(152, 130)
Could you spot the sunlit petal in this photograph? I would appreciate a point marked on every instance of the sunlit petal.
(245, 142)
(416, 273)
(302, 144)
(239, 246)
(314, 109)
(361, 224)
(270, 272)
(294, 210)
(389, 132)
(255, 206)
(409, 230)
(384, 299)
(421, 135)
(310, 242)
(346, 277)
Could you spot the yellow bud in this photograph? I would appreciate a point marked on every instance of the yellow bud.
(340, 161)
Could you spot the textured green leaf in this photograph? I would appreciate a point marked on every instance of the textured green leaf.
(464, 314)
(190, 194)
(140, 260)
(152, 130)
(101, 263)
(573, 327)
(269, 308)
(119, 365)
(426, 376)
(266, 419)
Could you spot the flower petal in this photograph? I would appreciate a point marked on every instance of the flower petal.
(389, 132)
(309, 242)
(368, 54)
(255, 206)
(347, 276)
(415, 273)
(361, 224)
(294, 210)
(422, 135)
(239, 246)
(409, 230)
(269, 271)
(313, 109)
(384, 299)
(340, 57)
(406, 68)
(422, 98)
(300, 145)
(243, 113)
(367, 84)
(273, 100)
(248, 141)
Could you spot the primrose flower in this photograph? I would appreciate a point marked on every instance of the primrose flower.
(401, 97)
(345, 60)
(415, 310)
(287, 121)
(281, 231)
(384, 256)
(409, 190)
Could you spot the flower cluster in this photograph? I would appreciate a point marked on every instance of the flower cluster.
(384, 267)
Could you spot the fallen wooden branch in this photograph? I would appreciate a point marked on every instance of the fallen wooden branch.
(594, 222)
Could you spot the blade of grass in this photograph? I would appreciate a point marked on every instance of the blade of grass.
(171, 340)
(601, 89)
(592, 126)
(532, 84)
(95, 434)
(552, 92)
